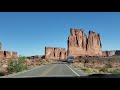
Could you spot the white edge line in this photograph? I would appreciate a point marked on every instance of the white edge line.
(72, 70)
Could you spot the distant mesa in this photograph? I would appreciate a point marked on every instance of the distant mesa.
(111, 53)
(36, 57)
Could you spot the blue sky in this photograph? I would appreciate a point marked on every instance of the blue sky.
(29, 32)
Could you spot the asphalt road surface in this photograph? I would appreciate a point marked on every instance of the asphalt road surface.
(59, 69)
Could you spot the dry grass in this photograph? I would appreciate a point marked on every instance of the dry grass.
(98, 65)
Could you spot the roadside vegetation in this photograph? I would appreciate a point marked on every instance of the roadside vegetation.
(15, 65)
(98, 65)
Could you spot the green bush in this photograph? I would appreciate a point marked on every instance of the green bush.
(17, 65)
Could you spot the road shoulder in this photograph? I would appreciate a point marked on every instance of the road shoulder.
(80, 72)
(14, 74)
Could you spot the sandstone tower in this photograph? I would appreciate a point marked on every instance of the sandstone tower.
(77, 42)
(80, 45)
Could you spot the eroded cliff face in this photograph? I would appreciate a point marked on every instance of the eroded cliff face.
(77, 42)
(49, 53)
(7, 54)
(55, 53)
(2, 54)
(80, 45)
(94, 46)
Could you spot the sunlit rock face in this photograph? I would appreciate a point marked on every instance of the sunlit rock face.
(94, 46)
(2, 54)
(77, 42)
(55, 53)
(80, 45)
(7, 54)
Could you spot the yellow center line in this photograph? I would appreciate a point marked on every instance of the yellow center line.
(48, 70)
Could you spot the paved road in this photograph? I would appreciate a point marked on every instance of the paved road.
(59, 69)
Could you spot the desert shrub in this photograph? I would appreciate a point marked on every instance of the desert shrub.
(11, 66)
(86, 61)
(81, 60)
(81, 65)
(104, 69)
(108, 65)
(93, 61)
(17, 65)
(90, 70)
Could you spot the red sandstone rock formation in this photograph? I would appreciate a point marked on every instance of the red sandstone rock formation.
(14, 55)
(49, 53)
(55, 53)
(77, 42)
(2, 54)
(94, 46)
(7, 54)
(79, 45)
(62, 54)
